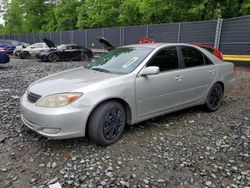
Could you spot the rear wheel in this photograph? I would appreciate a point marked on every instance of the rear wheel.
(214, 98)
(107, 123)
(53, 58)
(84, 57)
(25, 55)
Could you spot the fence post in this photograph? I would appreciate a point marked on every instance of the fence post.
(120, 36)
(147, 30)
(86, 38)
(179, 33)
(123, 33)
(60, 37)
(218, 33)
(103, 32)
(71, 37)
(26, 36)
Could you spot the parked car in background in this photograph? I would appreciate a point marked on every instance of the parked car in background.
(65, 52)
(32, 50)
(125, 86)
(9, 45)
(17, 51)
(4, 57)
(212, 50)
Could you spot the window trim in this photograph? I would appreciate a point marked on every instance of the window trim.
(182, 58)
(178, 55)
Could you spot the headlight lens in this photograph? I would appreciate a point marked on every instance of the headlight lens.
(58, 100)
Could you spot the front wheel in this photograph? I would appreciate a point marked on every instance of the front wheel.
(53, 58)
(25, 55)
(214, 98)
(106, 123)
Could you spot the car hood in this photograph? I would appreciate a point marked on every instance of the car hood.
(68, 81)
(105, 43)
(49, 43)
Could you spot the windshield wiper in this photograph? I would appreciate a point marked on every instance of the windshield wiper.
(101, 70)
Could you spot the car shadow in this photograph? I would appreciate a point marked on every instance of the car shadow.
(5, 67)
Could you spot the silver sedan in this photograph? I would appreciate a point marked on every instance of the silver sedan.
(127, 85)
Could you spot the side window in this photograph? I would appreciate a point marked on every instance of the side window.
(76, 47)
(38, 45)
(192, 57)
(165, 59)
(207, 60)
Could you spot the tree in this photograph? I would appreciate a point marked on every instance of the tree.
(96, 13)
(245, 7)
(130, 13)
(13, 16)
(65, 14)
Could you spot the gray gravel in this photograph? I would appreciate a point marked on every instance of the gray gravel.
(190, 148)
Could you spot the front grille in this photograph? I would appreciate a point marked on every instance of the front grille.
(32, 97)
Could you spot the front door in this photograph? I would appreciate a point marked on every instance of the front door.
(157, 93)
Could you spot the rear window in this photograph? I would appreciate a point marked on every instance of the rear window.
(208, 49)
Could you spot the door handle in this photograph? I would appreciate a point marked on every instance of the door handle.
(212, 71)
(179, 78)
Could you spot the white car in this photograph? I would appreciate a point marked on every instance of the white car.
(32, 50)
(127, 85)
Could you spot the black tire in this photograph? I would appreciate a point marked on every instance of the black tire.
(17, 54)
(25, 55)
(214, 98)
(84, 57)
(106, 123)
(53, 57)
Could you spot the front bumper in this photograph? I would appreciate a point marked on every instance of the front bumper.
(4, 59)
(42, 57)
(69, 119)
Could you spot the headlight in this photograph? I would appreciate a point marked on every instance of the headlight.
(58, 100)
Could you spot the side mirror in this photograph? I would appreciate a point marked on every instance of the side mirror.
(150, 71)
(32, 47)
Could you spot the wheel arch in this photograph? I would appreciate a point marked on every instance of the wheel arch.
(23, 52)
(119, 100)
(221, 83)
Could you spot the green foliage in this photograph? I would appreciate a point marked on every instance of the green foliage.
(96, 13)
(130, 13)
(65, 15)
(245, 7)
(25, 16)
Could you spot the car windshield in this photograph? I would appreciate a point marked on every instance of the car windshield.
(61, 47)
(120, 60)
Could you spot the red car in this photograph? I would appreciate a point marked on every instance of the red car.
(212, 50)
(145, 40)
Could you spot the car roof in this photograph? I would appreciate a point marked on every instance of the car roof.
(156, 45)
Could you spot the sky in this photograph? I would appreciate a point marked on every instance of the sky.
(1, 19)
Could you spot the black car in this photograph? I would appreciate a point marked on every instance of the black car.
(64, 52)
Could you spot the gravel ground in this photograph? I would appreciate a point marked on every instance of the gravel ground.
(190, 148)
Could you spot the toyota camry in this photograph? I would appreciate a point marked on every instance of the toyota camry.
(127, 85)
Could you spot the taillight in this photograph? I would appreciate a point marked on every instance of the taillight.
(234, 68)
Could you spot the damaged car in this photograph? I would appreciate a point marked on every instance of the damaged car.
(64, 52)
(31, 51)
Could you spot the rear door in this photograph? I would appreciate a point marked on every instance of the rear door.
(197, 73)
